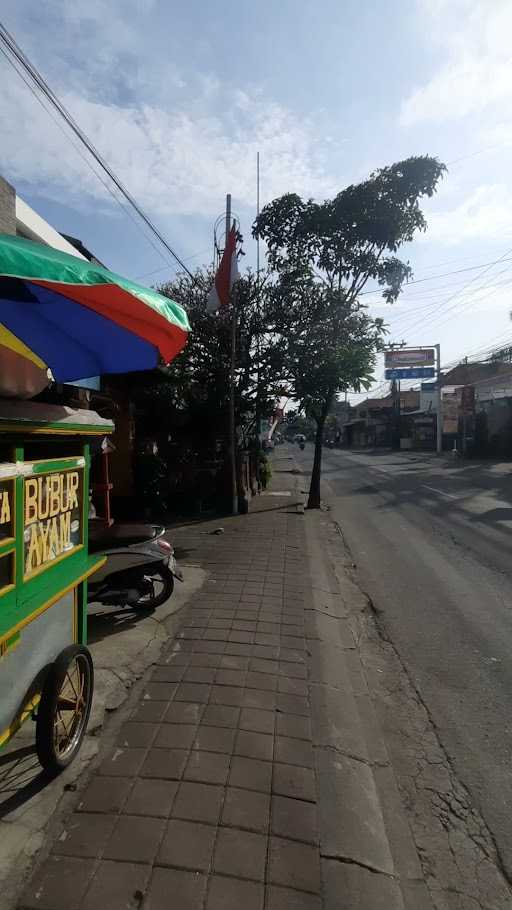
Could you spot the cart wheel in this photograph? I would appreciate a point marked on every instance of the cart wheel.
(64, 708)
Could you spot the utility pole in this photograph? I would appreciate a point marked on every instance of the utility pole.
(439, 416)
(395, 391)
(232, 423)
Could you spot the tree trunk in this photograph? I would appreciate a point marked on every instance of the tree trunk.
(314, 487)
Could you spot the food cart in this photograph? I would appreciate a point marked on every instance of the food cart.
(62, 319)
(46, 670)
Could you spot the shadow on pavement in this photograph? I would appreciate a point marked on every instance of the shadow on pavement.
(102, 625)
(21, 778)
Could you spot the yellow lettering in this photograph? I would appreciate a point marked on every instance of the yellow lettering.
(64, 498)
(5, 514)
(34, 555)
(53, 543)
(44, 531)
(30, 500)
(73, 483)
(42, 498)
(54, 485)
(65, 531)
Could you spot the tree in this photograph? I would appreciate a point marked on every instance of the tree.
(323, 255)
(198, 380)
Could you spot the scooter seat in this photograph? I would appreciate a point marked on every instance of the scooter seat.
(101, 537)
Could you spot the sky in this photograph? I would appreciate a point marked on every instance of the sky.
(179, 98)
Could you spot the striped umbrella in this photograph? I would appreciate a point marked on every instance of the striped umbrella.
(79, 319)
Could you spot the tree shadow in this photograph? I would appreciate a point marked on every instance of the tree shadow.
(111, 621)
(495, 516)
(402, 490)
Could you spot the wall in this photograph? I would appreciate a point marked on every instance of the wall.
(31, 226)
(7, 208)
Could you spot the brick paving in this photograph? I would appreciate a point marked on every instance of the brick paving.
(208, 799)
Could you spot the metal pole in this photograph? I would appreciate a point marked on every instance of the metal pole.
(258, 343)
(257, 213)
(439, 444)
(232, 422)
(258, 310)
(399, 421)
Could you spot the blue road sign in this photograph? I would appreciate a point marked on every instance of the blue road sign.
(411, 373)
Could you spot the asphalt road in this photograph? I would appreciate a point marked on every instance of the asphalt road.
(432, 541)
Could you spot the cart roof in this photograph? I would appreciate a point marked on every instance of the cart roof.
(33, 417)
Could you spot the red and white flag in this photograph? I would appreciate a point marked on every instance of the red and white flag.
(227, 274)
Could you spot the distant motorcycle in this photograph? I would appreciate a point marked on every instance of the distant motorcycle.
(140, 567)
(301, 446)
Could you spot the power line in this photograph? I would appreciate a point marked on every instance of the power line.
(422, 321)
(164, 267)
(38, 79)
(470, 268)
(79, 152)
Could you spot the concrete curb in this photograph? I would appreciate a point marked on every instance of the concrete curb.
(369, 860)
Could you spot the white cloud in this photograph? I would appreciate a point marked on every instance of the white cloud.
(473, 37)
(176, 161)
(178, 140)
(483, 215)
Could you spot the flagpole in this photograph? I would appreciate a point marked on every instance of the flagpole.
(232, 422)
(258, 311)
(257, 214)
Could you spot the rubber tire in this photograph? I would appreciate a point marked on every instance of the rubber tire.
(168, 580)
(51, 762)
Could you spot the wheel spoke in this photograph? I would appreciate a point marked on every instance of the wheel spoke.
(70, 706)
(60, 720)
(68, 677)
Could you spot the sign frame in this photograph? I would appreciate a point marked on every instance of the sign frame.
(396, 358)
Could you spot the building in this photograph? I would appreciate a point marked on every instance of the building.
(476, 408)
(373, 422)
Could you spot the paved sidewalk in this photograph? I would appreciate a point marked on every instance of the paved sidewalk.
(208, 799)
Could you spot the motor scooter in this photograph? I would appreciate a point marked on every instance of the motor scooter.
(140, 569)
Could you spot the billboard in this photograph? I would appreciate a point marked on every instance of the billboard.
(410, 373)
(409, 357)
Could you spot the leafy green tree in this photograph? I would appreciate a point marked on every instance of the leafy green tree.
(323, 255)
(198, 380)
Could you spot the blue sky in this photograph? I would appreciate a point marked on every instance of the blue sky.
(180, 97)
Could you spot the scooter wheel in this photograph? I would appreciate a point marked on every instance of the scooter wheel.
(163, 586)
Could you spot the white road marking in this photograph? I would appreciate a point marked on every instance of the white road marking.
(440, 492)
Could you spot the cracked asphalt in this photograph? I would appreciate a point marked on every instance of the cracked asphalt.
(431, 544)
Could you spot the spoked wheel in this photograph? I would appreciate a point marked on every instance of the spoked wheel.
(159, 586)
(64, 708)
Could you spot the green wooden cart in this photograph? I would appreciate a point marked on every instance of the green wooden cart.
(46, 670)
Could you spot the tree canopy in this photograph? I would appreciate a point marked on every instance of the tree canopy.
(322, 256)
(201, 372)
